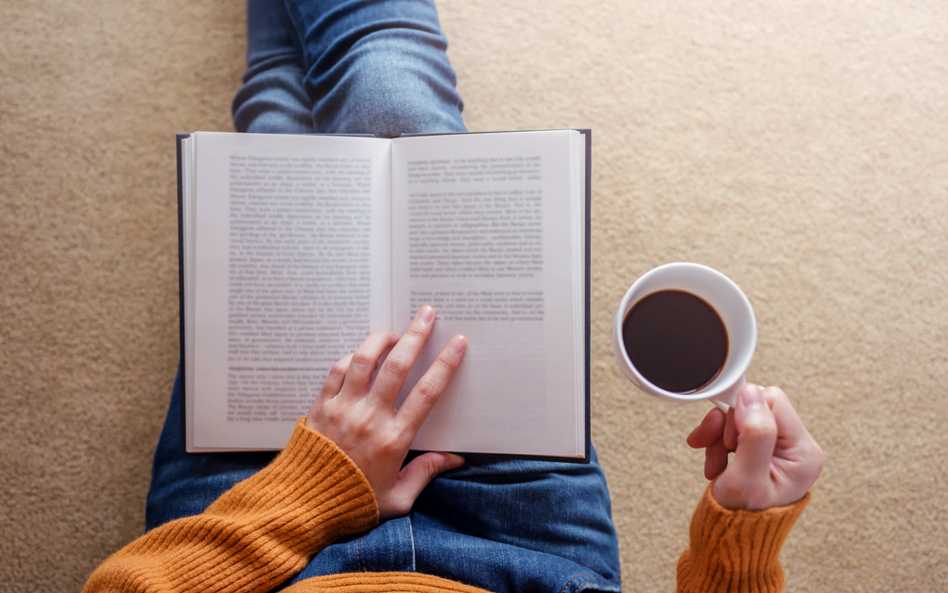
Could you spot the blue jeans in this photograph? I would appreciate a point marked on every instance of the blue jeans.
(347, 67)
(503, 525)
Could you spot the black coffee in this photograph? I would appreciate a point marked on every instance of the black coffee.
(675, 340)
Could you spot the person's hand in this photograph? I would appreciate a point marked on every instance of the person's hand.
(359, 415)
(775, 458)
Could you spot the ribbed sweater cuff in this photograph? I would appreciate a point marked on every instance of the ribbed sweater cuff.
(312, 479)
(256, 535)
(736, 551)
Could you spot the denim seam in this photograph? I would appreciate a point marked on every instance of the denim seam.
(582, 586)
(411, 543)
(359, 544)
(593, 579)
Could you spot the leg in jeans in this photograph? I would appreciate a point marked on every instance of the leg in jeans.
(380, 67)
(347, 67)
(272, 99)
(377, 67)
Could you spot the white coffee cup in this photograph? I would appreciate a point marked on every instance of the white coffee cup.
(726, 298)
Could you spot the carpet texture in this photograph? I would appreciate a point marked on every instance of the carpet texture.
(799, 147)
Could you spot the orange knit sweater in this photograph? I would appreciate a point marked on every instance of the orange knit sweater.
(265, 530)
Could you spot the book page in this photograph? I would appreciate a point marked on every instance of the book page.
(291, 272)
(487, 228)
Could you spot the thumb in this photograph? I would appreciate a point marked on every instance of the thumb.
(415, 476)
(756, 438)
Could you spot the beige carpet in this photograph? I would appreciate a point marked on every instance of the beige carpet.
(800, 147)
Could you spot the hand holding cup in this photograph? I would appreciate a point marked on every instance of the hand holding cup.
(776, 460)
(667, 339)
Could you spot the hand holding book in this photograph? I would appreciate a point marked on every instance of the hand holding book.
(358, 414)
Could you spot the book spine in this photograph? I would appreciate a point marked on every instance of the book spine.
(587, 134)
(181, 294)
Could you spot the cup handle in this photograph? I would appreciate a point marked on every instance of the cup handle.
(726, 400)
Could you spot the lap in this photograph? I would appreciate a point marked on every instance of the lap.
(501, 524)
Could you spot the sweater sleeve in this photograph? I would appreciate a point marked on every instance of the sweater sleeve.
(736, 551)
(256, 535)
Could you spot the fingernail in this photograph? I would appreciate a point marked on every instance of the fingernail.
(426, 314)
(457, 344)
(753, 396)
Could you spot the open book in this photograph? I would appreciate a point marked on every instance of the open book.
(293, 248)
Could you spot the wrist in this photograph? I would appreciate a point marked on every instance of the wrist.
(734, 495)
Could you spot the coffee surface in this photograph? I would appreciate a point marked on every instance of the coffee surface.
(675, 340)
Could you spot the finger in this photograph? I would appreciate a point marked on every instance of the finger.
(790, 427)
(794, 442)
(709, 431)
(415, 476)
(730, 431)
(364, 362)
(757, 437)
(335, 378)
(715, 459)
(426, 392)
(399, 361)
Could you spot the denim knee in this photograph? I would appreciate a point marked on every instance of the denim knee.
(391, 82)
(273, 102)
